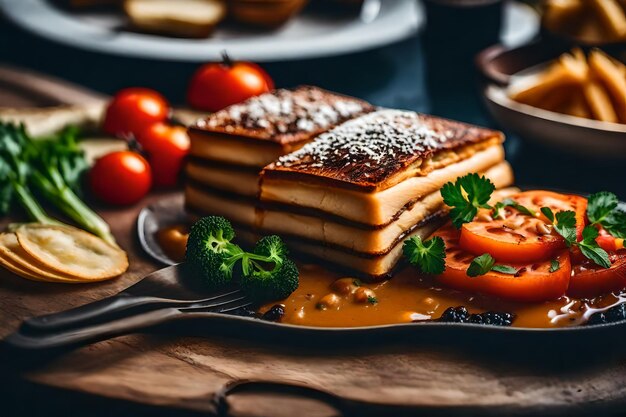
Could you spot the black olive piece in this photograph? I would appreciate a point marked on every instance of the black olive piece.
(493, 318)
(275, 313)
(455, 315)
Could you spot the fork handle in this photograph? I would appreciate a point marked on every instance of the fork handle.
(91, 334)
(99, 310)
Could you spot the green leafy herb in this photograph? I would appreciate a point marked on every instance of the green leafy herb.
(480, 265)
(547, 211)
(505, 269)
(429, 255)
(52, 167)
(602, 209)
(554, 265)
(485, 263)
(589, 247)
(565, 225)
(372, 300)
(509, 202)
(465, 196)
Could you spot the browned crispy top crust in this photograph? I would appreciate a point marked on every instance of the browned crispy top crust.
(285, 116)
(372, 148)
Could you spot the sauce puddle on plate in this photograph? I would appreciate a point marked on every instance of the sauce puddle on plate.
(327, 299)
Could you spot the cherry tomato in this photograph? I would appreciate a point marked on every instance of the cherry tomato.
(166, 147)
(132, 109)
(520, 237)
(219, 85)
(590, 280)
(121, 178)
(533, 283)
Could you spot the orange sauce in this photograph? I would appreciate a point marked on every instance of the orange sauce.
(407, 297)
(173, 241)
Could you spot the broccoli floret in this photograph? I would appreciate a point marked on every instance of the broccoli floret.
(273, 247)
(262, 285)
(267, 272)
(210, 251)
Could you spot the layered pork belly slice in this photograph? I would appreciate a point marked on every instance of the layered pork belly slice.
(371, 169)
(240, 180)
(356, 237)
(209, 202)
(261, 129)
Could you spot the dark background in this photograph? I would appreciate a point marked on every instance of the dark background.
(425, 73)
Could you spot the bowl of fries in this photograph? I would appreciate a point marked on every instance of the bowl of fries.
(586, 22)
(573, 100)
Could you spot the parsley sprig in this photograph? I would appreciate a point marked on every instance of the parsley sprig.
(428, 255)
(565, 224)
(602, 210)
(485, 263)
(498, 209)
(465, 196)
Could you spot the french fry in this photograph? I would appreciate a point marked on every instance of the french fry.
(591, 30)
(563, 15)
(557, 98)
(565, 72)
(612, 76)
(576, 106)
(599, 102)
(612, 15)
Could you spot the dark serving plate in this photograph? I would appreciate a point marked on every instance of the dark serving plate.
(170, 211)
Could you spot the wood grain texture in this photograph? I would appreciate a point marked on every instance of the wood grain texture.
(459, 374)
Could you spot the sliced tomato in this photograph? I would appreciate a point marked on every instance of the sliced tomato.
(590, 280)
(533, 283)
(520, 237)
(607, 242)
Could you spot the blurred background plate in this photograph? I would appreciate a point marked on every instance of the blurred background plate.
(311, 34)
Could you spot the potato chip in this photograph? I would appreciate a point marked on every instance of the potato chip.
(72, 251)
(18, 270)
(11, 251)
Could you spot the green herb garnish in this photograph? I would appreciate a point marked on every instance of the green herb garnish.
(429, 255)
(554, 265)
(565, 224)
(465, 196)
(602, 210)
(485, 263)
(509, 202)
(372, 300)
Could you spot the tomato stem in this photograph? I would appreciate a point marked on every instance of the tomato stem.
(226, 59)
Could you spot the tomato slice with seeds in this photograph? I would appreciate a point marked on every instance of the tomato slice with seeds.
(520, 237)
(533, 283)
(590, 280)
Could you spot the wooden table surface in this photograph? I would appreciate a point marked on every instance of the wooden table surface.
(458, 374)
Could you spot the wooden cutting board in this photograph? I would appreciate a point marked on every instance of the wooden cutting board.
(458, 374)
